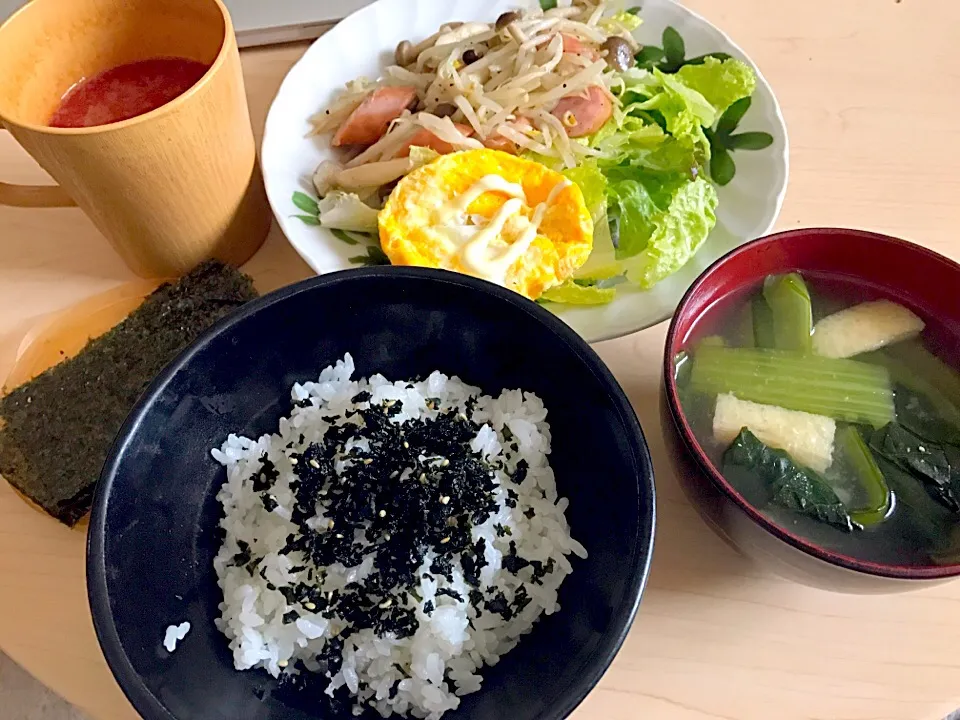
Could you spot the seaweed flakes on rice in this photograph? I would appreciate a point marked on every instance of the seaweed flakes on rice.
(394, 537)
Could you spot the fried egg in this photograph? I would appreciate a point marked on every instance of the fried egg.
(489, 214)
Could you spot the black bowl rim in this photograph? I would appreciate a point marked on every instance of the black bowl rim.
(130, 681)
(900, 572)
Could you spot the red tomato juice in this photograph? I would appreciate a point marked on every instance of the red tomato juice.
(126, 91)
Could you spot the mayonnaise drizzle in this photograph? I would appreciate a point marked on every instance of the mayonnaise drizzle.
(477, 254)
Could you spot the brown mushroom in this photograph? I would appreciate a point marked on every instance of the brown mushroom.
(618, 53)
(506, 19)
(444, 110)
(404, 54)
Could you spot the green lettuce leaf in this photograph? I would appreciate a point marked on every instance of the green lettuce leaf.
(592, 183)
(570, 293)
(663, 222)
(620, 21)
(346, 211)
(658, 127)
(720, 83)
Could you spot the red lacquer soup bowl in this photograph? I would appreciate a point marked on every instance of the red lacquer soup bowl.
(879, 267)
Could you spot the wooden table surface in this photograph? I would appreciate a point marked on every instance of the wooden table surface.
(871, 93)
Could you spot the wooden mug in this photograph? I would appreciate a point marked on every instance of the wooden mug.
(169, 188)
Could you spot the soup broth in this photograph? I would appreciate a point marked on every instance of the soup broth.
(833, 411)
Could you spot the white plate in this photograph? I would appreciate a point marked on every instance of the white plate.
(363, 44)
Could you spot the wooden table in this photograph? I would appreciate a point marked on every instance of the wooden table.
(871, 93)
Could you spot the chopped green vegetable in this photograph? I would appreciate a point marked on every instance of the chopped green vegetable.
(657, 245)
(743, 330)
(548, 4)
(937, 465)
(573, 293)
(790, 486)
(602, 280)
(922, 406)
(659, 127)
(306, 203)
(592, 184)
(721, 83)
(763, 336)
(857, 456)
(929, 366)
(845, 390)
(346, 211)
(789, 302)
(308, 219)
(927, 516)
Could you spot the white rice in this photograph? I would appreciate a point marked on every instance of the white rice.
(424, 673)
(174, 634)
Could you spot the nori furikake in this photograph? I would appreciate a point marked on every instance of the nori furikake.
(56, 430)
(419, 489)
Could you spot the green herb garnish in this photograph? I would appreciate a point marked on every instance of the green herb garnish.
(306, 203)
(723, 141)
(374, 256)
(672, 55)
(548, 4)
(343, 235)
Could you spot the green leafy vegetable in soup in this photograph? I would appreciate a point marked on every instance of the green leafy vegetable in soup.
(831, 414)
(791, 485)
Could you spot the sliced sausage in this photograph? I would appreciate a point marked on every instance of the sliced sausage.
(573, 44)
(425, 138)
(584, 113)
(496, 141)
(369, 122)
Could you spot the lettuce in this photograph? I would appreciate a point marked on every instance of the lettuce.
(571, 293)
(592, 183)
(620, 21)
(659, 127)
(720, 83)
(663, 222)
(648, 192)
(346, 211)
(422, 155)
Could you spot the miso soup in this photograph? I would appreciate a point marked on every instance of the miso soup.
(835, 412)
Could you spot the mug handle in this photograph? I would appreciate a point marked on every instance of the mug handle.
(34, 196)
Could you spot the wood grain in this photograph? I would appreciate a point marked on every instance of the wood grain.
(870, 92)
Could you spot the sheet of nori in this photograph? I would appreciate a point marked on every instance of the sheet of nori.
(56, 430)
